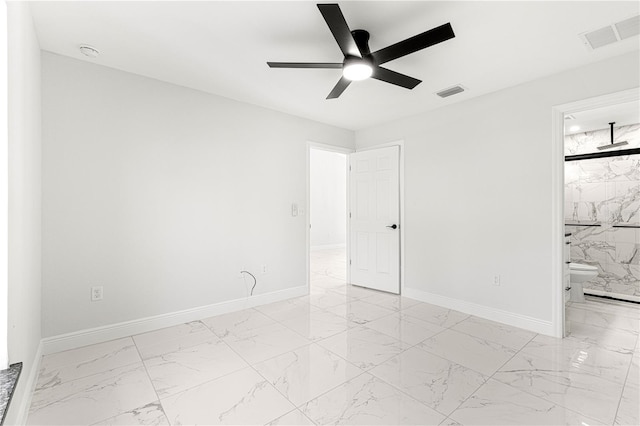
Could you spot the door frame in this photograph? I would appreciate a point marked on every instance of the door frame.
(399, 143)
(557, 192)
(331, 148)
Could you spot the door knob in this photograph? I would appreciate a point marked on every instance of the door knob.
(394, 226)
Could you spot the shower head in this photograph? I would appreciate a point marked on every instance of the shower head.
(612, 145)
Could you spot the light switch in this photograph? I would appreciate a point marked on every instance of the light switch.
(294, 210)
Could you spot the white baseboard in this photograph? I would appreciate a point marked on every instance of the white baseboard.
(327, 247)
(105, 333)
(22, 411)
(493, 314)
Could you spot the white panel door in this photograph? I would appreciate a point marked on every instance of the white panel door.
(374, 219)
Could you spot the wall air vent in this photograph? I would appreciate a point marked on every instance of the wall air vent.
(450, 91)
(612, 33)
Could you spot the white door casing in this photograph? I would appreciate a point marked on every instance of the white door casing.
(374, 209)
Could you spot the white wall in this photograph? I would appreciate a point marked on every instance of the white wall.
(478, 191)
(161, 194)
(328, 193)
(24, 201)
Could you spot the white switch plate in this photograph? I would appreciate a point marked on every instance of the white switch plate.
(496, 280)
(294, 210)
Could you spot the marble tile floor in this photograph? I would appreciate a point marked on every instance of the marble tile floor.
(347, 355)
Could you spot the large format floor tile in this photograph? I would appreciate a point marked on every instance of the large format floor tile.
(593, 396)
(434, 381)
(317, 325)
(511, 337)
(364, 347)
(307, 372)
(185, 368)
(262, 343)
(499, 404)
(366, 400)
(243, 397)
(93, 398)
(472, 352)
(435, 314)
(406, 328)
(74, 364)
(172, 339)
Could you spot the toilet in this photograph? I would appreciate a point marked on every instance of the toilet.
(579, 273)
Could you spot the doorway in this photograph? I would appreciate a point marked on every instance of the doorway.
(558, 194)
(328, 190)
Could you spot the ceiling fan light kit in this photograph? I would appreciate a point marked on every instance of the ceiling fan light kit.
(359, 62)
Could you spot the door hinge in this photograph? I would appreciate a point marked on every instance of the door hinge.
(349, 167)
(349, 261)
(349, 215)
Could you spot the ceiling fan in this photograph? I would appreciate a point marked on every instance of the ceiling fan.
(359, 62)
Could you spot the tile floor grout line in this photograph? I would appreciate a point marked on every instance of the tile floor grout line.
(488, 378)
(146, 370)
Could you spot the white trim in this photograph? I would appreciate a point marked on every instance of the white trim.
(105, 333)
(29, 387)
(399, 143)
(505, 317)
(629, 297)
(4, 189)
(331, 148)
(557, 192)
(328, 247)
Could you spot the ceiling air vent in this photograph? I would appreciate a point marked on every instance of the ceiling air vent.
(612, 33)
(450, 91)
(629, 27)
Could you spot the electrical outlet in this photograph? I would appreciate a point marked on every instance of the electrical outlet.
(263, 269)
(96, 293)
(496, 280)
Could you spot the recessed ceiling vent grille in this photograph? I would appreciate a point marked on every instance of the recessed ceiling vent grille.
(450, 91)
(612, 33)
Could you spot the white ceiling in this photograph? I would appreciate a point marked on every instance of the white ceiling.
(599, 118)
(222, 48)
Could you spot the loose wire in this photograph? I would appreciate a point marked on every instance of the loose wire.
(255, 281)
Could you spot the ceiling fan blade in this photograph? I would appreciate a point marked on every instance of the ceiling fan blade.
(340, 30)
(413, 44)
(343, 83)
(327, 65)
(384, 74)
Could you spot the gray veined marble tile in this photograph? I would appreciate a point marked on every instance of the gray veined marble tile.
(629, 409)
(287, 309)
(306, 373)
(578, 391)
(481, 355)
(498, 404)
(366, 400)
(434, 381)
(506, 335)
(435, 314)
(294, 418)
(317, 325)
(243, 397)
(614, 340)
(150, 414)
(405, 328)
(180, 370)
(363, 347)
(391, 301)
(237, 322)
(358, 312)
(602, 319)
(575, 355)
(265, 342)
(93, 398)
(327, 300)
(73, 364)
(173, 339)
